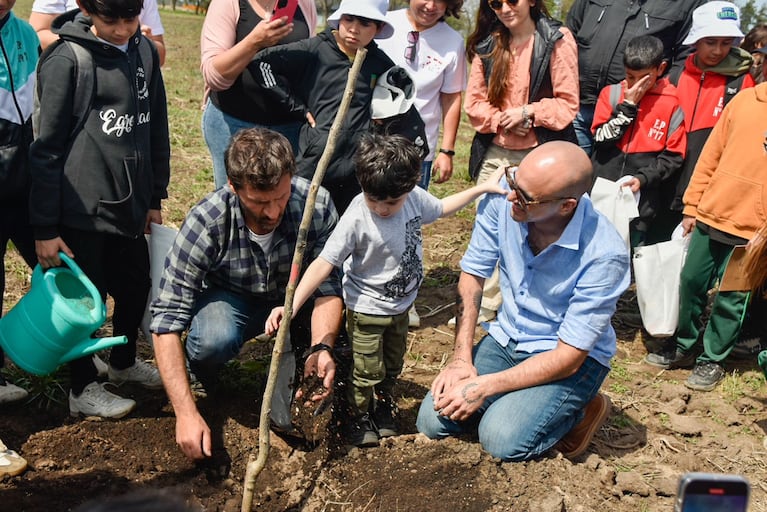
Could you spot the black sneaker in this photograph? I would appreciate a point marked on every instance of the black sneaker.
(705, 376)
(747, 347)
(361, 432)
(383, 415)
(671, 359)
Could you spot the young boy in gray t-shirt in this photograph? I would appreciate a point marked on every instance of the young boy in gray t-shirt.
(377, 241)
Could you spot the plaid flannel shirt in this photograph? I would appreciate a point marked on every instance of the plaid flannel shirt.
(213, 248)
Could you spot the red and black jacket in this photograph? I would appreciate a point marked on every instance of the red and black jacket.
(646, 140)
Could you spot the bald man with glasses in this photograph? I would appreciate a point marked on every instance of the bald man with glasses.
(532, 383)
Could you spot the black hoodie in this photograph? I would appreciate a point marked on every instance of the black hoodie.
(310, 76)
(107, 176)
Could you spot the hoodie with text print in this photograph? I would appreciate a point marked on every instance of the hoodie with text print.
(106, 176)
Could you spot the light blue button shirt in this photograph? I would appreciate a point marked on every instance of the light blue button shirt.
(569, 291)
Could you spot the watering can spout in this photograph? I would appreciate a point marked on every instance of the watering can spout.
(92, 345)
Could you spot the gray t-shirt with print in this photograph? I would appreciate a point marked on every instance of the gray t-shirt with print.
(382, 258)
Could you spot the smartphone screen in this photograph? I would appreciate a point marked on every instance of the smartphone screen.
(285, 8)
(713, 493)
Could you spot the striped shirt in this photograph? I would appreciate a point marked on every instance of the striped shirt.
(213, 248)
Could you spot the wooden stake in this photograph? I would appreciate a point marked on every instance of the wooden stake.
(255, 465)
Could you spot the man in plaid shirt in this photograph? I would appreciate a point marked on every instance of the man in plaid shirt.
(228, 267)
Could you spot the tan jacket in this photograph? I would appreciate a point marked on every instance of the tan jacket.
(728, 188)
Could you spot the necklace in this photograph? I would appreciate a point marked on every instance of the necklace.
(515, 48)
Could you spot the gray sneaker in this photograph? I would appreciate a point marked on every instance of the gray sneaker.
(11, 392)
(705, 376)
(671, 359)
(95, 400)
(141, 372)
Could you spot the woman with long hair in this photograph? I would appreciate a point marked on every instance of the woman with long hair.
(522, 91)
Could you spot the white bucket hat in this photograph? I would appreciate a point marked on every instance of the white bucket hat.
(393, 95)
(371, 9)
(715, 19)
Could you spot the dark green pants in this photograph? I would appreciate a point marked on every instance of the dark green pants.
(704, 266)
(379, 343)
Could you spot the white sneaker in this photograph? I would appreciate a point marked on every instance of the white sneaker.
(95, 400)
(11, 463)
(101, 367)
(413, 320)
(141, 372)
(11, 392)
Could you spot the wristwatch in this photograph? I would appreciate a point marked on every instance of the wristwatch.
(316, 348)
(448, 152)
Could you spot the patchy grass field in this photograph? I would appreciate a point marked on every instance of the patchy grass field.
(657, 429)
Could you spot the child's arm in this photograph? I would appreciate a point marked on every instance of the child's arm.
(281, 72)
(611, 122)
(315, 274)
(455, 202)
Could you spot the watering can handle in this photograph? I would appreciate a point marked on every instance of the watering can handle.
(72, 265)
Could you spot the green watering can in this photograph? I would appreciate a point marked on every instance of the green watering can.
(54, 321)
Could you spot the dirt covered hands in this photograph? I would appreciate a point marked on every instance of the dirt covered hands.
(227, 269)
(320, 359)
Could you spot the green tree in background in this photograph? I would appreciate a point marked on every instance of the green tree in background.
(751, 14)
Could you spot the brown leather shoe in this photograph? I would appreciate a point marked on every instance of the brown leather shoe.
(578, 439)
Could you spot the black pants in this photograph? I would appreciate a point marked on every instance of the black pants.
(14, 226)
(119, 267)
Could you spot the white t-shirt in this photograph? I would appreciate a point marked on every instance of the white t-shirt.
(439, 66)
(150, 15)
(382, 258)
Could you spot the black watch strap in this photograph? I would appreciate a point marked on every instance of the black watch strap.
(316, 348)
(448, 152)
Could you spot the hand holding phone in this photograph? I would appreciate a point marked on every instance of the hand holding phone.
(285, 8)
(710, 492)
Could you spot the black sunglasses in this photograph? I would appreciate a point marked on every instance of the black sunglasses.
(523, 199)
(412, 39)
(497, 5)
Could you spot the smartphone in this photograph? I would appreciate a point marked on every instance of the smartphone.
(285, 8)
(710, 492)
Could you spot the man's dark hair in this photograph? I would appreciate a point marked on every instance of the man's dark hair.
(388, 166)
(124, 9)
(643, 52)
(258, 157)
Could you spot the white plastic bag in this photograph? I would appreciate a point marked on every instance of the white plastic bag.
(160, 242)
(617, 203)
(657, 271)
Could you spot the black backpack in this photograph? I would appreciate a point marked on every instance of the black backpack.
(85, 82)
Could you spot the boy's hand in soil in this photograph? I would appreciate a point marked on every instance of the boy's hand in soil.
(274, 319)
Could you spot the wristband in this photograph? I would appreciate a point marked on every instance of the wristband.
(318, 347)
(448, 152)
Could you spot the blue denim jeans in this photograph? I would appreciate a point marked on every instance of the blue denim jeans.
(222, 322)
(218, 129)
(425, 175)
(522, 424)
(582, 125)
